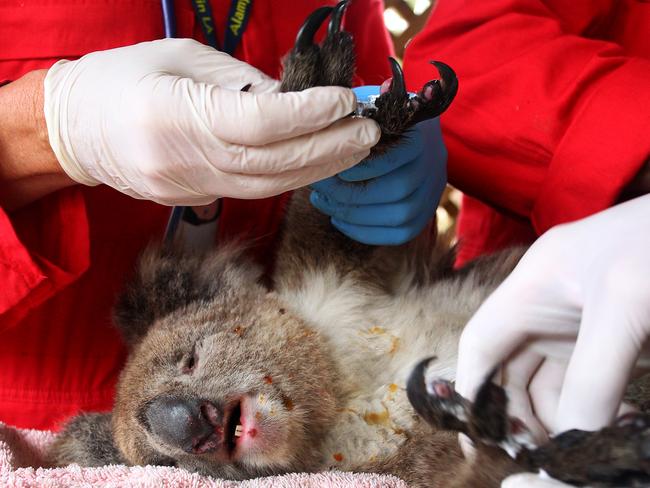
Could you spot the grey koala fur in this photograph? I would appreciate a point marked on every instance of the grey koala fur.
(284, 345)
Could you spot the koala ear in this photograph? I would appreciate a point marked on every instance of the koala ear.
(167, 280)
(86, 440)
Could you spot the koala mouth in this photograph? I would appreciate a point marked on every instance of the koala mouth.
(233, 428)
(226, 428)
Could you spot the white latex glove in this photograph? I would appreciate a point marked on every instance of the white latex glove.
(529, 480)
(167, 121)
(569, 323)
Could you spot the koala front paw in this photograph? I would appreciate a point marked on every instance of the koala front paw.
(332, 63)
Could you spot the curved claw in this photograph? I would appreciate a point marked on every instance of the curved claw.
(416, 390)
(305, 37)
(337, 17)
(448, 84)
(397, 86)
(430, 408)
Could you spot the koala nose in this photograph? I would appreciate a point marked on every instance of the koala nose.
(183, 423)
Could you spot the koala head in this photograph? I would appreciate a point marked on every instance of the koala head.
(221, 377)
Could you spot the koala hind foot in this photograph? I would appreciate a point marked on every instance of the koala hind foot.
(332, 63)
(618, 455)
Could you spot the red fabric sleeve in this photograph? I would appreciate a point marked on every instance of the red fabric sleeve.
(18, 272)
(44, 247)
(373, 45)
(548, 124)
(39, 257)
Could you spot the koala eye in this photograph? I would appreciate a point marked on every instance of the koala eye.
(190, 362)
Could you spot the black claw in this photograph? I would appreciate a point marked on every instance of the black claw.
(416, 390)
(448, 84)
(397, 85)
(436, 96)
(305, 37)
(337, 17)
(431, 408)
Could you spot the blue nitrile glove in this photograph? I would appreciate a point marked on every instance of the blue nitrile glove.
(389, 199)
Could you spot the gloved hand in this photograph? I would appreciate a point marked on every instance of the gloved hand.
(389, 199)
(167, 121)
(529, 480)
(569, 323)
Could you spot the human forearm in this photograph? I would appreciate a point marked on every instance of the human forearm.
(28, 168)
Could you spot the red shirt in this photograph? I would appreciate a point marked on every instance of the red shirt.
(552, 116)
(64, 257)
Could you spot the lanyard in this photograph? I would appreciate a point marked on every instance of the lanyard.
(236, 24)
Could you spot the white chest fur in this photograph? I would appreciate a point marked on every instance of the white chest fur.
(376, 340)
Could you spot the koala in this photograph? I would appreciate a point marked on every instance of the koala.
(231, 378)
(235, 376)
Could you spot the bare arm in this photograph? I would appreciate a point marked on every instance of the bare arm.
(28, 168)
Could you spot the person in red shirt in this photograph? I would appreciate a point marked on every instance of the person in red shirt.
(551, 120)
(67, 249)
(551, 124)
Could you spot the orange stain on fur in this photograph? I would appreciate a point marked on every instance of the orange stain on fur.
(394, 346)
(268, 380)
(374, 418)
(338, 457)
